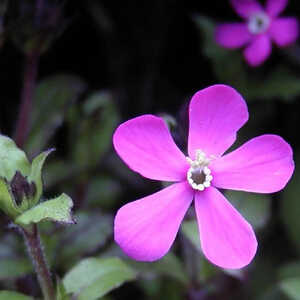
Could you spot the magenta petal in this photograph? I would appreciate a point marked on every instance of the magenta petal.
(233, 35)
(284, 31)
(275, 7)
(262, 165)
(146, 145)
(227, 239)
(258, 50)
(216, 114)
(246, 8)
(145, 229)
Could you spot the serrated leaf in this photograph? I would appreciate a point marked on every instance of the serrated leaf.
(291, 287)
(12, 159)
(92, 278)
(8, 295)
(57, 210)
(36, 174)
(53, 97)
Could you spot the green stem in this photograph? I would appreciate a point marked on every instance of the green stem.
(35, 249)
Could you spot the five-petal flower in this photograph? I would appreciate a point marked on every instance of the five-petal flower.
(261, 27)
(145, 229)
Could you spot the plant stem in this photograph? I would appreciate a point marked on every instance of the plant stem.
(35, 249)
(29, 82)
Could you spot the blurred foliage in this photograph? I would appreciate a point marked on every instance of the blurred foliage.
(230, 68)
(13, 296)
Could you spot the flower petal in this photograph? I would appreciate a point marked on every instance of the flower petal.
(284, 31)
(216, 114)
(146, 145)
(275, 7)
(262, 165)
(245, 8)
(258, 51)
(233, 35)
(227, 239)
(145, 229)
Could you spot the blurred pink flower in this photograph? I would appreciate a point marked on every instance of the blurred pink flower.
(145, 229)
(261, 26)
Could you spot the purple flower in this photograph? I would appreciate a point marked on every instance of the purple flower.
(145, 229)
(261, 26)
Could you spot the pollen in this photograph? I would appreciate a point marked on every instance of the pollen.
(199, 175)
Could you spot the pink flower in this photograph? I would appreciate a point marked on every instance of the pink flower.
(145, 229)
(261, 26)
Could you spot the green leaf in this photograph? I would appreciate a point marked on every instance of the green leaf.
(289, 270)
(81, 238)
(272, 293)
(291, 287)
(169, 265)
(36, 174)
(92, 278)
(255, 208)
(96, 127)
(190, 230)
(14, 267)
(6, 200)
(290, 208)
(12, 159)
(53, 97)
(61, 293)
(8, 295)
(57, 210)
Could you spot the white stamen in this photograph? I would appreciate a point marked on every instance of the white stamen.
(206, 183)
(259, 23)
(209, 177)
(199, 167)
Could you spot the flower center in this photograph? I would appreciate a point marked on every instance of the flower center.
(259, 23)
(198, 175)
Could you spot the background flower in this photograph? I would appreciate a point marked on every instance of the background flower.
(261, 27)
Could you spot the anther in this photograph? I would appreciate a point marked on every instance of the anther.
(199, 175)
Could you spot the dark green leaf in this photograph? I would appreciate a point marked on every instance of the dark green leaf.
(8, 295)
(53, 97)
(291, 287)
(14, 267)
(255, 208)
(92, 278)
(290, 209)
(96, 128)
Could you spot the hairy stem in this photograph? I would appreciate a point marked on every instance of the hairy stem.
(35, 249)
(29, 82)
